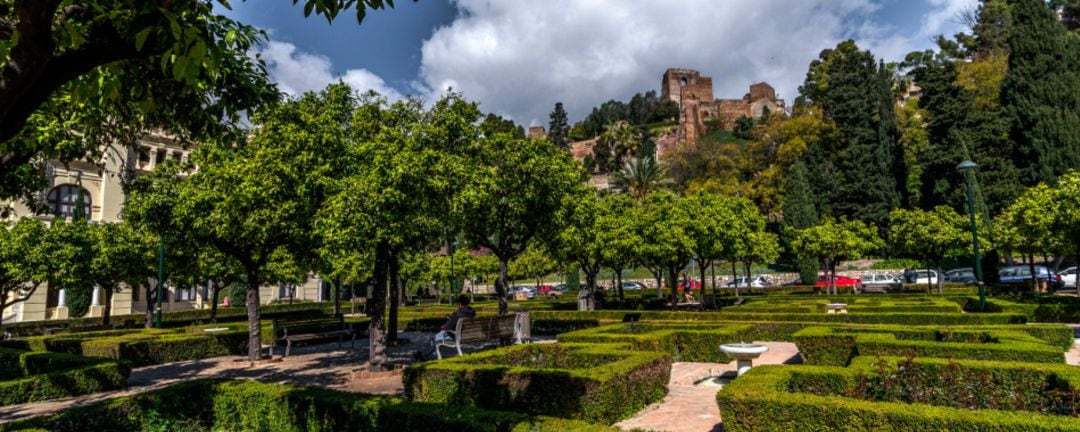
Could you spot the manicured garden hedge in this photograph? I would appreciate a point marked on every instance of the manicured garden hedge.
(34, 377)
(140, 347)
(764, 400)
(837, 346)
(258, 407)
(603, 383)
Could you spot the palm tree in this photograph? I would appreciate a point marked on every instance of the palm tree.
(639, 177)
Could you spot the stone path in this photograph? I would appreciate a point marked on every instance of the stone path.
(692, 408)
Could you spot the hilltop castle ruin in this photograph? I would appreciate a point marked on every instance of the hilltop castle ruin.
(694, 94)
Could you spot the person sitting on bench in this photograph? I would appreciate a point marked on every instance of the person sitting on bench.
(446, 332)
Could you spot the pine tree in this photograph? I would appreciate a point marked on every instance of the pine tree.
(889, 133)
(559, 128)
(800, 213)
(1041, 93)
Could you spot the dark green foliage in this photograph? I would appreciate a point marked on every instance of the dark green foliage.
(643, 109)
(845, 82)
(494, 124)
(33, 376)
(1041, 93)
(559, 128)
(602, 383)
(744, 128)
(602, 157)
(800, 213)
(251, 406)
(761, 401)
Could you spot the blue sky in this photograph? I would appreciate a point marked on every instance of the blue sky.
(518, 57)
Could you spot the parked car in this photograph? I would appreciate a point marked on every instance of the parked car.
(961, 275)
(1021, 274)
(752, 282)
(694, 284)
(841, 282)
(529, 291)
(633, 286)
(1068, 276)
(881, 281)
(926, 277)
(561, 287)
(547, 290)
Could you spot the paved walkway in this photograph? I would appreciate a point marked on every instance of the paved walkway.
(692, 408)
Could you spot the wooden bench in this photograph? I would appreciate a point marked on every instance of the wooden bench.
(835, 308)
(487, 329)
(308, 330)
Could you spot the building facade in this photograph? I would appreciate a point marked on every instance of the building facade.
(103, 197)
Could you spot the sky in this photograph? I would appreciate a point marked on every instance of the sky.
(517, 58)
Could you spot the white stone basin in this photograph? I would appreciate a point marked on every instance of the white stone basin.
(744, 354)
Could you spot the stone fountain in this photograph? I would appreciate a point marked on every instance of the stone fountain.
(744, 354)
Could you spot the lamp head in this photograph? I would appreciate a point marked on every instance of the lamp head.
(967, 165)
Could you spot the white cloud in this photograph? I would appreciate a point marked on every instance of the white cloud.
(296, 72)
(520, 57)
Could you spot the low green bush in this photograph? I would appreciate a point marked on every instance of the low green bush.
(43, 376)
(145, 350)
(837, 346)
(768, 399)
(257, 407)
(603, 383)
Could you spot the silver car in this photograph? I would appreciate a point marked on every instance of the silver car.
(881, 281)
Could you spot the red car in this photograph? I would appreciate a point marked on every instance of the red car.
(841, 281)
(694, 284)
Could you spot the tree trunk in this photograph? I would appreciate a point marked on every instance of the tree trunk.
(712, 268)
(929, 282)
(149, 305)
(618, 283)
(658, 274)
(215, 290)
(590, 286)
(1034, 276)
(673, 280)
(337, 297)
(500, 285)
(702, 264)
(376, 306)
(832, 280)
(395, 297)
(749, 278)
(735, 277)
(940, 279)
(254, 324)
(106, 312)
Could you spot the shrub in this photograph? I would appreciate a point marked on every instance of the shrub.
(768, 398)
(145, 350)
(44, 376)
(837, 346)
(602, 383)
(253, 406)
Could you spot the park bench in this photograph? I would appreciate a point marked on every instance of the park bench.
(835, 308)
(487, 329)
(292, 331)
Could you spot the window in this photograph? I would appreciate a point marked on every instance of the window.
(62, 200)
(185, 294)
(161, 154)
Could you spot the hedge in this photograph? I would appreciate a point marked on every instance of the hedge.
(140, 347)
(761, 401)
(603, 383)
(252, 406)
(36, 377)
(837, 346)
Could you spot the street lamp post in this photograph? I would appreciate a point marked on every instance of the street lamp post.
(968, 167)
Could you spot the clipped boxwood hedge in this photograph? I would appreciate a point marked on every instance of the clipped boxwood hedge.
(603, 383)
(140, 347)
(837, 346)
(257, 407)
(34, 376)
(763, 400)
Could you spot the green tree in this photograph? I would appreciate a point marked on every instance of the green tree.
(117, 257)
(70, 258)
(514, 191)
(534, 263)
(833, 241)
(929, 235)
(394, 195)
(580, 239)
(850, 88)
(666, 225)
(1041, 93)
(559, 128)
(78, 77)
(1066, 218)
(1027, 226)
(639, 177)
(494, 124)
(24, 261)
(617, 235)
(800, 213)
(255, 201)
